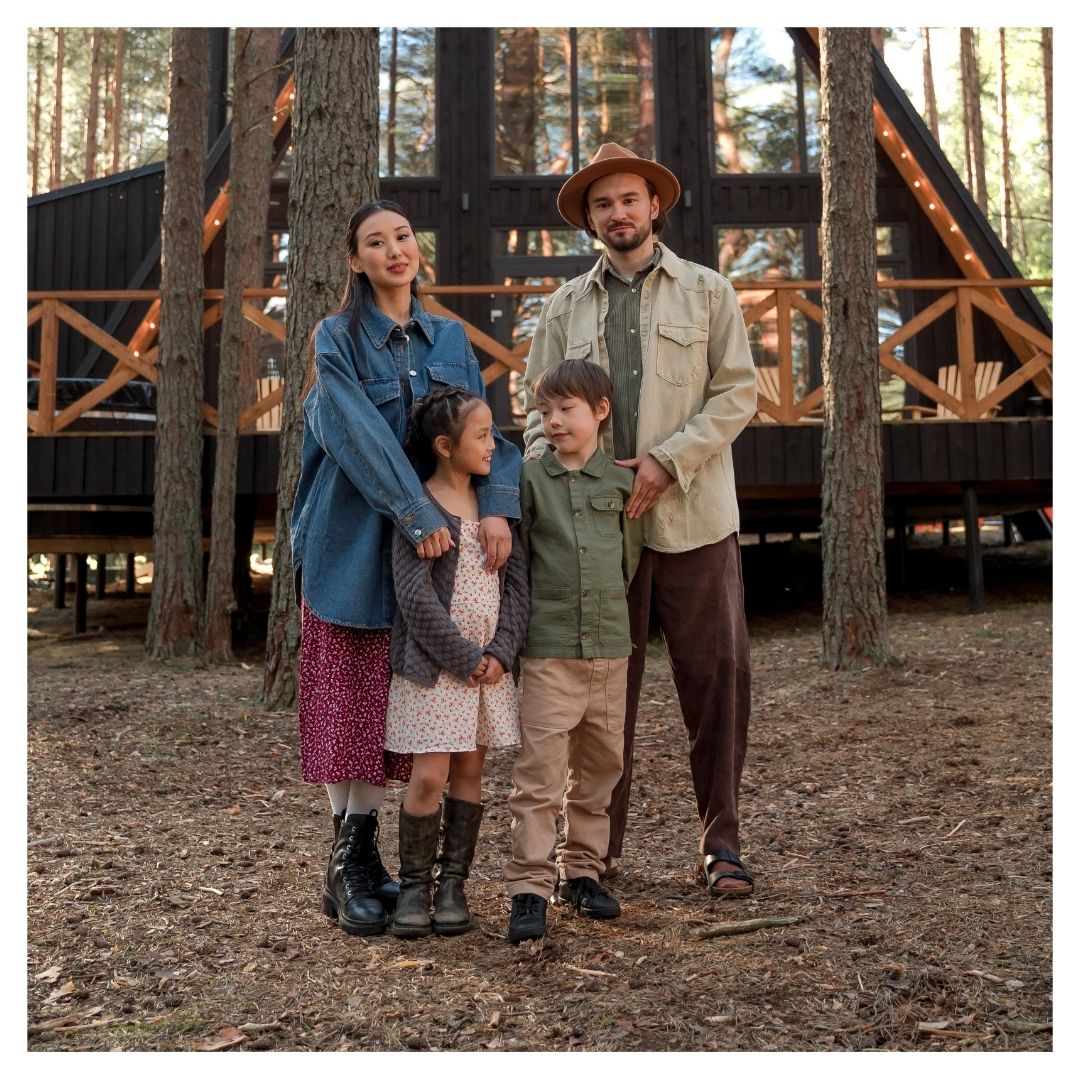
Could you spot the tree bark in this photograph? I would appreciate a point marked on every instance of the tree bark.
(1006, 171)
(56, 165)
(177, 593)
(251, 160)
(391, 111)
(972, 89)
(118, 94)
(854, 620)
(35, 153)
(92, 105)
(929, 94)
(335, 167)
(877, 38)
(1048, 90)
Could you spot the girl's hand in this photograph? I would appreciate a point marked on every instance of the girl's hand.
(495, 670)
(438, 543)
(494, 536)
(477, 677)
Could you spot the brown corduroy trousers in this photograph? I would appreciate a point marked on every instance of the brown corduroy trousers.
(698, 600)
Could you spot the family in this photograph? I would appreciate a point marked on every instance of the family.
(455, 597)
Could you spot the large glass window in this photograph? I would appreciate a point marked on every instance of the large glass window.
(407, 101)
(765, 103)
(560, 93)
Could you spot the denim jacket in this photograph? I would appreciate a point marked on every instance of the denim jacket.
(356, 484)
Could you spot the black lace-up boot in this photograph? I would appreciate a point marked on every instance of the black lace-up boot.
(382, 884)
(348, 896)
(528, 917)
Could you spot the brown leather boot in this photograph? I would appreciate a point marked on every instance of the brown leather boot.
(461, 826)
(418, 846)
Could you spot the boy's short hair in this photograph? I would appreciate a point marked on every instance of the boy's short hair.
(575, 378)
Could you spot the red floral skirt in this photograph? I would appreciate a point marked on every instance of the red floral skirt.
(344, 688)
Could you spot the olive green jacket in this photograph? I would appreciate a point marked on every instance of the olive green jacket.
(582, 551)
(698, 387)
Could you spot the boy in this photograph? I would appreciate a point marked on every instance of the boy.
(582, 551)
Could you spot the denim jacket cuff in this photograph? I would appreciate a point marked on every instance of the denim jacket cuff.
(420, 520)
(499, 501)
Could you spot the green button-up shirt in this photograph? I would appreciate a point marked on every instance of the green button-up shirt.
(582, 552)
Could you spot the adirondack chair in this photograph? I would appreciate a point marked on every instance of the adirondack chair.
(768, 385)
(987, 376)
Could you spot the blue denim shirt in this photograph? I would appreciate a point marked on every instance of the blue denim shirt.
(356, 484)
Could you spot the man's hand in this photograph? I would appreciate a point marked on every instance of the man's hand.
(494, 536)
(651, 482)
(495, 670)
(477, 676)
(438, 543)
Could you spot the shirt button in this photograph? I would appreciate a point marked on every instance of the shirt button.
(584, 635)
(577, 513)
(584, 592)
(573, 480)
(417, 532)
(583, 551)
(413, 373)
(633, 331)
(406, 520)
(634, 372)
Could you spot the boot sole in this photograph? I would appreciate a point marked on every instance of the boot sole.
(409, 931)
(451, 929)
(356, 929)
(515, 936)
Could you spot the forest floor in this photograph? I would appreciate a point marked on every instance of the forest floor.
(903, 816)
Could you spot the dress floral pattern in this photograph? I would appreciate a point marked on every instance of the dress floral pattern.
(451, 716)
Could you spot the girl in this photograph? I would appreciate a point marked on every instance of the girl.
(356, 489)
(454, 641)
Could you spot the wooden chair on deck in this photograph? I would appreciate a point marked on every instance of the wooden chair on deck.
(987, 376)
(768, 386)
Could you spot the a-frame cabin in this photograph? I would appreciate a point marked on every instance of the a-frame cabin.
(966, 345)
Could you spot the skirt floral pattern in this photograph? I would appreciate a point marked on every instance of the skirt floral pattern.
(344, 683)
(452, 717)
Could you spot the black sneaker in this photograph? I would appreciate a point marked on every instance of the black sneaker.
(590, 898)
(528, 917)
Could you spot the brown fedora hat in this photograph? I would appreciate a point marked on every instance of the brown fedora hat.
(613, 158)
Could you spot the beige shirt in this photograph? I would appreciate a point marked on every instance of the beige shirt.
(698, 388)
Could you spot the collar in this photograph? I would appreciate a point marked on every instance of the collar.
(593, 467)
(663, 257)
(380, 326)
(643, 272)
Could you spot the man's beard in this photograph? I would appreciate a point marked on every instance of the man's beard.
(628, 241)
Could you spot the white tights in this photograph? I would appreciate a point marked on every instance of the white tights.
(354, 797)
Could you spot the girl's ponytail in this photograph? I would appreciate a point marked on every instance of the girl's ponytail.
(442, 412)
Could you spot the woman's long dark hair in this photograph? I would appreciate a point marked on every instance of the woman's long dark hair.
(357, 287)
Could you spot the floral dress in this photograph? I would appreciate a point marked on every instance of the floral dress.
(451, 716)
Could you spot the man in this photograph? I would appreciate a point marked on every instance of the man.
(671, 335)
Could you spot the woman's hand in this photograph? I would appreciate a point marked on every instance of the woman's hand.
(495, 671)
(494, 536)
(438, 543)
(477, 677)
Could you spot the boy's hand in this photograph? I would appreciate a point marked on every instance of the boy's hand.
(494, 536)
(495, 670)
(477, 676)
(651, 482)
(438, 543)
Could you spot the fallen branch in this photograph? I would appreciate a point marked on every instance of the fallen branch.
(591, 971)
(747, 927)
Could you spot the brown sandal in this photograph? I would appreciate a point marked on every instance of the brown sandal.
(714, 876)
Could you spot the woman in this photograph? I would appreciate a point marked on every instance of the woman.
(372, 359)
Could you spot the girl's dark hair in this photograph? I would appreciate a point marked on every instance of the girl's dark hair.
(442, 412)
(357, 288)
(575, 378)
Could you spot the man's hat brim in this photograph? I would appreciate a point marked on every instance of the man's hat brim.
(571, 201)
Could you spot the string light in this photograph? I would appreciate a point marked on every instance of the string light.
(291, 96)
(886, 133)
(153, 326)
(918, 183)
(933, 206)
(136, 354)
(952, 228)
(967, 257)
(903, 154)
(217, 221)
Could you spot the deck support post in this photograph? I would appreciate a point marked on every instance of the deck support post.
(80, 594)
(900, 536)
(129, 581)
(59, 580)
(100, 579)
(945, 532)
(976, 587)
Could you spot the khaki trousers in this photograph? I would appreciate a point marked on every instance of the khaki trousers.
(571, 758)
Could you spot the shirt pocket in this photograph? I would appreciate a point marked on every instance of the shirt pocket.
(681, 352)
(614, 618)
(439, 375)
(606, 514)
(552, 617)
(579, 350)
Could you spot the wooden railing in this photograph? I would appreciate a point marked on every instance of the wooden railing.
(138, 359)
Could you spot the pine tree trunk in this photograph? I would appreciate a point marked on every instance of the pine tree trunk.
(335, 168)
(92, 105)
(1006, 171)
(118, 94)
(176, 596)
(929, 93)
(1048, 90)
(972, 87)
(877, 38)
(391, 112)
(35, 154)
(56, 165)
(250, 161)
(854, 619)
